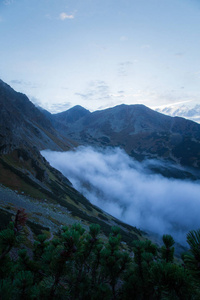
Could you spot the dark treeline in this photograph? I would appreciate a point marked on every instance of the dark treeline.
(77, 264)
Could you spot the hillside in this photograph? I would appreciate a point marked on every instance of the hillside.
(141, 132)
(26, 178)
(23, 125)
(51, 200)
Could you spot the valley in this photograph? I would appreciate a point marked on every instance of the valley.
(160, 145)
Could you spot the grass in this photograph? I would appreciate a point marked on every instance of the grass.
(54, 221)
(36, 228)
(71, 193)
(102, 217)
(129, 227)
(62, 193)
(16, 179)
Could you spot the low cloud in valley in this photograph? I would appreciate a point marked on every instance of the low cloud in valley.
(128, 190)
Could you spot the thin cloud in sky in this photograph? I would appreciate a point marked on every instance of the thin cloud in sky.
(16, 81)
(8, 2)
(63, 16)
(124, 68)
(23, 83)
(36, 101)
(106, 37)
(48, 16)
(96, 90)
(58, 107)
(145, 46)
(179, 54)
(123, 38)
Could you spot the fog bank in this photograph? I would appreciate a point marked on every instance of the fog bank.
(126, 189)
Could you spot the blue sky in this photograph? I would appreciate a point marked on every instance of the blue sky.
(101, 53)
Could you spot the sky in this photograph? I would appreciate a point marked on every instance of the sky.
(126, 189)
(101, 53)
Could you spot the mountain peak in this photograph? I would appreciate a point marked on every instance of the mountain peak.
(22, 124)
(72, 115)
(141, 132)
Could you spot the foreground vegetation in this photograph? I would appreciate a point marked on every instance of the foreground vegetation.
(76, 264)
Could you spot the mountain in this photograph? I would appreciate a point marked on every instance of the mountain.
(72, 115)
(141, 132)
(62, 121)
(23, 125)
(27, 180)
(191, 113)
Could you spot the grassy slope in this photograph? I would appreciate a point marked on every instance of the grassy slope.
(31, 175)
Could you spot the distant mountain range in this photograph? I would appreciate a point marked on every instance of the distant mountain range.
(140, 131)
(184, 111)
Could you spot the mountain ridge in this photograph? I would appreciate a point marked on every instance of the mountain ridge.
(141, 132)
(24, 132)
(72, 115)
(23, 124)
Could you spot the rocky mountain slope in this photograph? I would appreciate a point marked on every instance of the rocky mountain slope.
(141, 132)
(26, 178)
(23, 125)
(25, 130)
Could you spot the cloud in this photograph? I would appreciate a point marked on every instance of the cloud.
(86, 95)
(35, 101)
(97, 90)
(63, 16)
(182, 110)
(179, 54)
(124, 68)
(125, 63)
(48, 16)
(8, 2)
(24, 83)
(128, 190)
(146, 46)
(58, 107)
(123, 38)
(16, 81)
